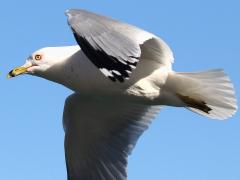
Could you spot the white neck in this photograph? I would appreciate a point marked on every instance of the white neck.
(58, 56)
(73, 69)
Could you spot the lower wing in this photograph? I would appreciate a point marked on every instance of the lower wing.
(100, 134)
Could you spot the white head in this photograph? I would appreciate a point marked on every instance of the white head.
(41, 62)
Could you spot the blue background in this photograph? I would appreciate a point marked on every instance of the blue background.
(179, 145)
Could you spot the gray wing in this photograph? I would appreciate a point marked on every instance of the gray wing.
(114, 47)
(100, 134)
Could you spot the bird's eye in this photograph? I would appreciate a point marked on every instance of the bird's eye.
(38, 57)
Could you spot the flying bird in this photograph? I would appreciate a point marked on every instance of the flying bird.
(121, 76)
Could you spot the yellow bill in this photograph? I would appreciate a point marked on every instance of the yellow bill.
(17, 71)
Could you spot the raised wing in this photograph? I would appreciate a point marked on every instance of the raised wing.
(100, 134)
(114, 47)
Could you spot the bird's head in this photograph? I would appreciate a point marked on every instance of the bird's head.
(41, 62)
(36, 64)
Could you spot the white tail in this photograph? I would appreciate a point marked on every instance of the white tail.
(208, 93)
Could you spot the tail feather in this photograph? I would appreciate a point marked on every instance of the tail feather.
(208, 93)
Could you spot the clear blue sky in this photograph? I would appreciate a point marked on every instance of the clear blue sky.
(179, 145)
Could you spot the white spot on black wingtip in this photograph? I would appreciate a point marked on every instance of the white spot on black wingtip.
(106, 72)
(133, 60)
(114, 75)
(116, 72)
(132, 67)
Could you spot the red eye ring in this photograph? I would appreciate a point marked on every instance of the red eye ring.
(38, 57)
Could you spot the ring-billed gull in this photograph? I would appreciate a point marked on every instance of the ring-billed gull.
(121, 75)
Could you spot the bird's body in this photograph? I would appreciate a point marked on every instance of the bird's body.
(82, 77)
(120, 75)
